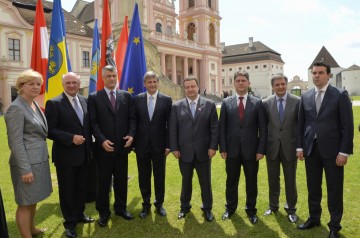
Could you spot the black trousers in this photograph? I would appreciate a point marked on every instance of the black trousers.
(3, 227)
(315, 164)
(116, 167)
(203, 170)
(233, 168)
(149, 162)
(72, 193)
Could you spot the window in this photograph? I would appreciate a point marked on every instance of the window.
(247, 67)
(264, 66)
(256, 66)
(230, 80)
(240, 68)
(190, 31)
(209, 3)
(158, 27)
(230, 69)
(223, 70)
(191, 3)
(86, 58)
(223, 81)
(14, 49)
(212, 66)
(212, 34)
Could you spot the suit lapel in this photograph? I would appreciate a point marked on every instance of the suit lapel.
(144, 105)
(289, 105)
(249, 107)
(325, 100)
(158, 103)
(199, 107)
(106, 99)
(186, 107)
(233, 104)
(274, 109)
(37, 117)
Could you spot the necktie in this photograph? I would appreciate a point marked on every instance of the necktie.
(112, 100)
(78, 110)
(281, 110)
(241, 108)
(192, 108)
(318, 101)
(151, 107)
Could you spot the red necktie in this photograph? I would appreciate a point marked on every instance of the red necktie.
(112, 100)
(241, 108)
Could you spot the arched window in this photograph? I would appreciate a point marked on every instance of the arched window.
(190, 31)
(209, 3)
(158, 27)
(191, 3)
(212, 34)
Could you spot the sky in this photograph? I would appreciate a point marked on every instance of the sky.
(297, 29)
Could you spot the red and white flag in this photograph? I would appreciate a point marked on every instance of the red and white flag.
(40, 47)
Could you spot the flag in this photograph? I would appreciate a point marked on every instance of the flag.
(135, 64)
(107, 44)
(95, 59)
(58, 61)
(121, 49)
(40, 46)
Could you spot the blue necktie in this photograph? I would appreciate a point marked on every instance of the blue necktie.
(151, 107)
(192, 108)
(281, 110)
(78, 110)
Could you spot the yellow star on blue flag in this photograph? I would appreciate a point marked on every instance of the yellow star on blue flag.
(136, 40)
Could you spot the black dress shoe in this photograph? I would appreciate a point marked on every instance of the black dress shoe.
(334, 234)
(208, 216)
(226, 215)
(144, 212)
(308, 224)
(161, 211)
(270, 211)
(182, 214)
(292, 218)
(86, 219)
(125, 214)
(70, 233)
(103, 220)
(253, 219)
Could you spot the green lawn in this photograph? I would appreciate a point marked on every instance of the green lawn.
(194, 225)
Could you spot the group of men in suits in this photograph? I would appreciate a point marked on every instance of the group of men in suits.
(283, 127)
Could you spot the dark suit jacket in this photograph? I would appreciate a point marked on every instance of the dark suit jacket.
(250, 134)
(333, 126)
(284, 133)
(194, 136)
(109, 125)
(63, 124)
(156, 130)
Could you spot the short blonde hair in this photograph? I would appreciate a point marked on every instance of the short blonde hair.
(25, 77)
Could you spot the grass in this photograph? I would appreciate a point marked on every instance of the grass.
(194, 225)
(355, 98)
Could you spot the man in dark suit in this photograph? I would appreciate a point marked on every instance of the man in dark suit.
(112, 119)
(242, 143)
(194, 131)
(69, 128)
(281, 111)
(325, 140)
(152, 111)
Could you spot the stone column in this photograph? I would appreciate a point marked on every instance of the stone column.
(173, 69)
(195, 70)
(186, 67)
(163, 62)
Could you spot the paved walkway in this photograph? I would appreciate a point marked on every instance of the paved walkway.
(356, 103)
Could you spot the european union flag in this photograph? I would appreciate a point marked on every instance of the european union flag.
(95, 59)
(135, 64)
(58, 61)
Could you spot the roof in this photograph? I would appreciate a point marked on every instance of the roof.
(353, 68)
(27, 9)
(325, 56)
(86, 12)
(243, 53)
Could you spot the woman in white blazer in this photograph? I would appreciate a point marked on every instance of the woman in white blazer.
(29, 166)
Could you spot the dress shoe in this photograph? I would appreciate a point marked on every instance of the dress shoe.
(226, 215)
(161, 211)
(334, 234)
(103, 220)
(125, 214)
(308, 224)
(253, 219)
(144, 212)
(292, 218)
(208, 216)
(270, 211)
(182, 214)
(86, 219)
(70, 233)
(38, 232)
